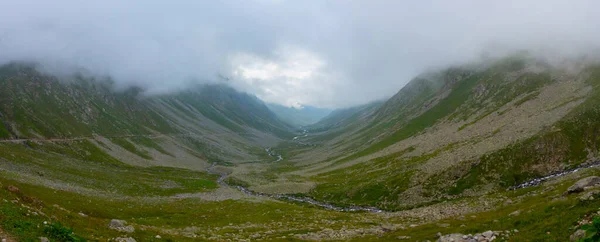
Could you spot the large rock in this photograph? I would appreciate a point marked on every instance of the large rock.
(488, 234)
(580, 185)
(591, 195)
(121, 225)
(483, 237)
(579, 234)
(451, 238)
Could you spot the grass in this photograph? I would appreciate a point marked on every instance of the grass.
(567, 144)
(56, 231)
(83, 164)
(374, 183)
(14, 219)
(539, 214)
(3, 130)
(150, 143)
(208, 218)
(131, 147)
(462, 102)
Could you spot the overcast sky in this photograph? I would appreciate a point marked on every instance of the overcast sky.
(320, 53)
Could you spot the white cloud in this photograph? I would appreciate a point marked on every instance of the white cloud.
(321, 53)
(291, 76)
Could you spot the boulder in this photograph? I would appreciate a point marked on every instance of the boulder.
(44, 239)
(580, 185)
(515, 213)
(451, 238)
(121, 225)
(128, 239)
(483, 237)
(589, 195)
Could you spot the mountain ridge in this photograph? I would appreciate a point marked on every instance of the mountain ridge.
(299, 117)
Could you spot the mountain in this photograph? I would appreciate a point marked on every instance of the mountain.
(37, 106)
(302, 116)
(502, 149)
(463, 131)
(342, 117)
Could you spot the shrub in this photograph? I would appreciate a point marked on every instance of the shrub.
(60, 233)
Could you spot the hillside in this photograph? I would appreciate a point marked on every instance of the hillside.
(465, 132)
(34, 106)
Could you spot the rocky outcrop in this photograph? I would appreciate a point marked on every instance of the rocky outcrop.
(588, 196)
(584, 183)
(480, 237)
(121, 225)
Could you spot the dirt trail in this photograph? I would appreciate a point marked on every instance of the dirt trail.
(151, 136)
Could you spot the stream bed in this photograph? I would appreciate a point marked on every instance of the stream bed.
(286, 197)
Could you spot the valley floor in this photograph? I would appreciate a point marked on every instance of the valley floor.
(173, 204)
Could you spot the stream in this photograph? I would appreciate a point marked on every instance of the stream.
(285, 197)
(537, 181)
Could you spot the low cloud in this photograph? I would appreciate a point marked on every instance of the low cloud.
(328, 54)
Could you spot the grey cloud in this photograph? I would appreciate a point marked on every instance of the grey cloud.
(370, 48)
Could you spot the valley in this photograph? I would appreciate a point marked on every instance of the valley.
(441, 159)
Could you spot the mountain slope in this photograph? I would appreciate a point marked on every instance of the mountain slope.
(459, 132)
(38, 106)
(342, 117)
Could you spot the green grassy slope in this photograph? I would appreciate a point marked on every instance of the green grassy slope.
(34, 104)
(381, 181)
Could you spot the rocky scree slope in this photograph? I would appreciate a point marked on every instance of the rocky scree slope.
(464, 131)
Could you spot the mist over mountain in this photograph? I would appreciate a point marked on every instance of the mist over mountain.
(299, 116)
(322, 54)
(278, 120)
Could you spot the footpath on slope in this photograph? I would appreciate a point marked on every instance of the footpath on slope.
(19, 140)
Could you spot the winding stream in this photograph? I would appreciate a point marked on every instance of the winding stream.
(221, 182)
(537, 181)
(286, 197)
